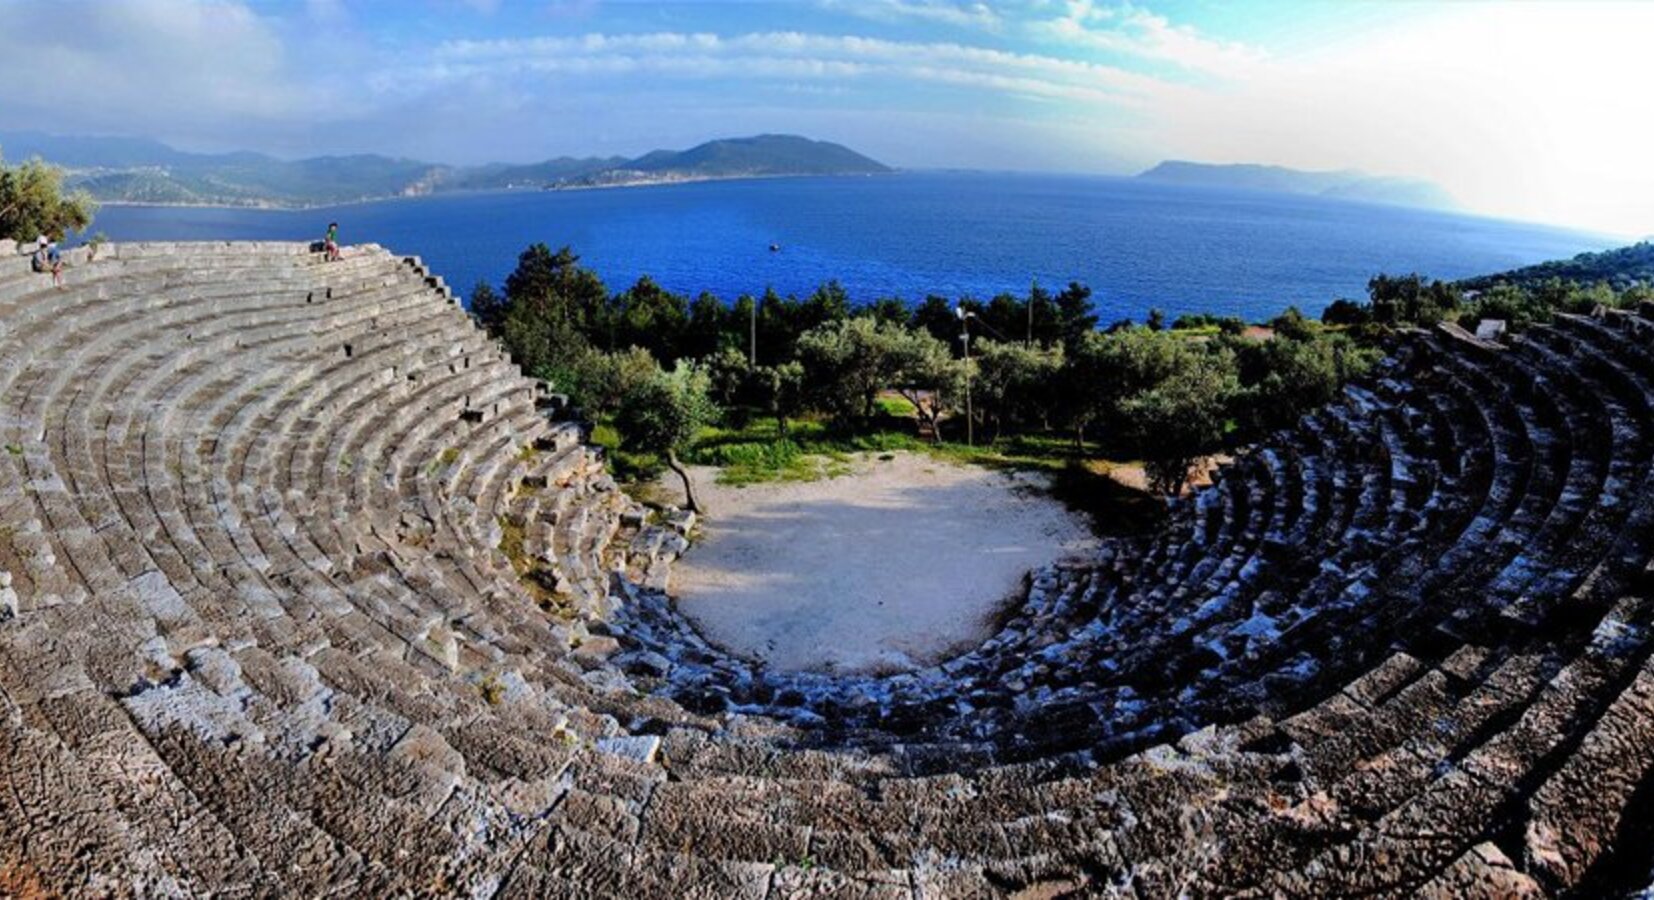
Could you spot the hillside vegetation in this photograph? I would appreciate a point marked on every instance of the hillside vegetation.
(1040, 383)
(1038, 380)
(1621, 268)
(126, 170)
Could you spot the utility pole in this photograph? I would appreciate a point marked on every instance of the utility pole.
(965, 336)
(1031, 293)
(752, 340)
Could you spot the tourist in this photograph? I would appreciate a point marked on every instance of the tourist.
(47, 259)
(331, 242)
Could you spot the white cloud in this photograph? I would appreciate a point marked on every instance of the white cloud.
(798, 55)
(190, 67)
(1138, 32)
(1531, 110)
(959, 15)
(1528, 110)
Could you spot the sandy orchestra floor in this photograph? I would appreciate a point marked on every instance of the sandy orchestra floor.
(885, 569)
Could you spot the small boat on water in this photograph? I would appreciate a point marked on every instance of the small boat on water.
(775, 248)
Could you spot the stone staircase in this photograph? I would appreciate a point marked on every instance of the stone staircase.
(307, 590)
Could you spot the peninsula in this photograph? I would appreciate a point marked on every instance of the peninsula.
(127, 170)
(1344, 184)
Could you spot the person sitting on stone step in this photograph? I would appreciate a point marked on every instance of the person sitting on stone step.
(331, 242)
(47, 259)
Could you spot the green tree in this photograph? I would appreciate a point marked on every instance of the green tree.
(599, 381)
(1283, 379)
(704, 334)
(1410, 300)
(935, 316)
(1344, 311)
(551, 305)
(648, 316)
(1182, 417)
(662, 415)
(780, 389)
(728, 374)
(886, 309)
(1074, 315)
(1015, 384)
(488, 308)
(923, 371)
(1292, 325)
(1106, 368)
(845, 364)
(829, 303)
(33, 203)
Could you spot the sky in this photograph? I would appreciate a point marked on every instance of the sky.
(1530, 110)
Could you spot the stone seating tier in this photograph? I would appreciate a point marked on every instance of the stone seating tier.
(305, 589)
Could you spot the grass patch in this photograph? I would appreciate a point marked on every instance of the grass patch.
(513, 538)
(444, 460)
(628, 467)
(14, 449)
(535, 575)
(492, 690)
(758, 452)
(754, 462)
(895, 407)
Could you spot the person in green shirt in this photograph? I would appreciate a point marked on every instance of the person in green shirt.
(331, 242)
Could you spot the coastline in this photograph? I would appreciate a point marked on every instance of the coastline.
(276, 206)
(700, 179)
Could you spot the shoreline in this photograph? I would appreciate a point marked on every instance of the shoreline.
(273, 206)
(701, 179)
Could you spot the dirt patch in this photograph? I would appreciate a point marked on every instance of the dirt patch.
(885, 569)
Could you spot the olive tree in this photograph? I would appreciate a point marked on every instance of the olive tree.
(1016, 384)
(1103, 369)
(1182, 417)
(846, 364)
(924, 372)
(780, 389)
(663, 414)
(33, 203)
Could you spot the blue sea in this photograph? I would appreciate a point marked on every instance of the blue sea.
(1137, 244)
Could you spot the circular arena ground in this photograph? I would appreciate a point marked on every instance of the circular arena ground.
(884, 569)
(263, 632)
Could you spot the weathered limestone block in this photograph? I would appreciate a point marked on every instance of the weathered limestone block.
(680, 520)
(8, 597)
(641, 748)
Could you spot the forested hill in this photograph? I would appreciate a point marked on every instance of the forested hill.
(1620, 268)
(765, 155)
(134, 170)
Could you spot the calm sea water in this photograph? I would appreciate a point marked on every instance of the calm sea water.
(1137, 244)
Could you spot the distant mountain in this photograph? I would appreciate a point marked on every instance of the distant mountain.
(767, 155)
(496, 176)
(137, 170)
(1620, 268)
(1347, 184)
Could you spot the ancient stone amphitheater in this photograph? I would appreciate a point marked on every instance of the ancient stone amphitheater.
(259, 635)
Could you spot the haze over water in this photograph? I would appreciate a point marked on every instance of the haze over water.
(1137, 244)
